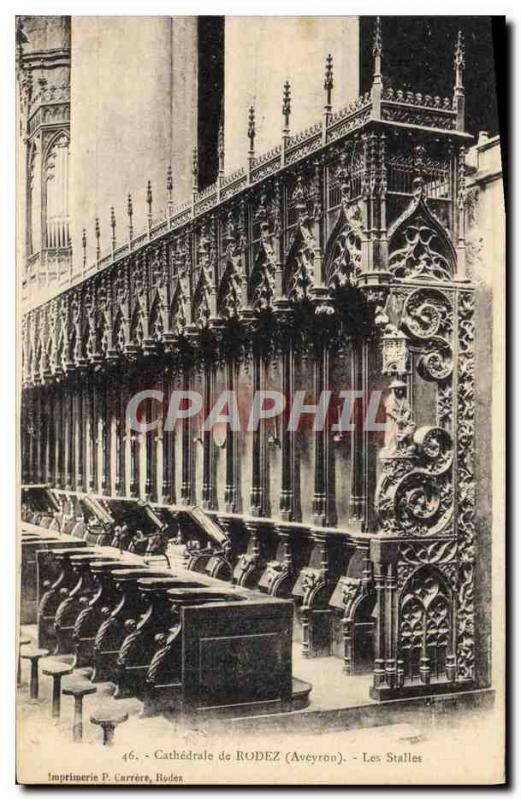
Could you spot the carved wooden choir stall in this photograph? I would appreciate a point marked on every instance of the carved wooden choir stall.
(334, 263)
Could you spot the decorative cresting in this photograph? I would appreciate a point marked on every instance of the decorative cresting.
(425, 629)
(419, 246)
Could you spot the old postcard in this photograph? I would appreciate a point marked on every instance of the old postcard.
(261, 271)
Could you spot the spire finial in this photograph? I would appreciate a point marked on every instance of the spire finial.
(328, 81)
(286, 106)
(377, 51)
(113, 227)
(458, 102)
(169, 188)
(220, 146)
(97, 234)
(195, 171)
(130, 213)
(251, 130)
(459, 60)
(149, 202)
(84, 246)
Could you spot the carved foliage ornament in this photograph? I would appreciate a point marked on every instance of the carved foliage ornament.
(414, 496)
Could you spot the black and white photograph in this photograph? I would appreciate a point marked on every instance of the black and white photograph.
(260, 399)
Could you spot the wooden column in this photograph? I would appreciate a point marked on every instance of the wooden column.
(68, 399)
(82, 429)
(51, 474)
(356, 500)
(258, 466)
(120, 402)
(135, 455)
(150, 455)
(186, 463)
(59, 430)
(287, 438)
(31, 434)
(208, 390)
(167, 446)
(38, 444)
(26, 436)
(93, 436)
(106, 421)
(321, 510)
(74, 433)
(230, 489)
(46, 427)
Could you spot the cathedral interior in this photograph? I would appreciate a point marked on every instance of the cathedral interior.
(217, 572)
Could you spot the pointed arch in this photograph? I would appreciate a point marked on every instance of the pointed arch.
(299, 272)
(56, 191)
(201, 301)
(119, 339)
(419, 246)
(177, 310)
(261, 288)
(137, 331)
(426, 623)
(156, 320)
(229, 296)
(343, 254)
